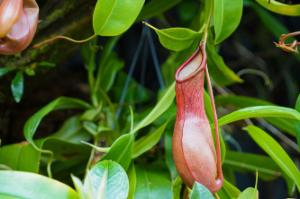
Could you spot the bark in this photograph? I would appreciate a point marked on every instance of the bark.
(67, 17)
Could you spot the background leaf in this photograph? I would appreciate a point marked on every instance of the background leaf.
(280, 8)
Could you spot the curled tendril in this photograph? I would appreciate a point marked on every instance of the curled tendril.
(288, 47)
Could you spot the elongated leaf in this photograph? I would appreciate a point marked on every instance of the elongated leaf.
(16, 184)
(265, 166)
(33, 122)
(148, 141)
(17, 86)
(21, 156)
(176, 39)
(276, 152)
(249, 193)
(200, 192)
(280, 8)
(121, 150)
(114, 17)
(156, 7)
(270, 22)
(259, 112)
(163, 104)
(176, 187)
(297, 125)
(284, 124)
(132, 181)
(152, 184)
(107, 179)
(227, 16)
(220, 72)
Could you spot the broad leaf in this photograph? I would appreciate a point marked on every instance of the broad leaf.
(114, 17)
(17, 184)
(228, 191)
(5, 70)
(107, 179)
(275, 151)
(200, 192)
(249, 193)
(121, 150)
(148, 141)
(17, 86)
(176, 39)
(21, 156)
(152, 184)
(227, 16)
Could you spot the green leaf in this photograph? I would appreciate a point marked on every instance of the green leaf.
(200, 192)
(297, 125)
(114, 17)
(265, 166)
(146, 142)
(269, 21)
(280, 8)
(33, 122)
(163, 104)
(176, 39)
(16, 184)
(249, 193)
(220, 72)
(156, 7)
(236, 101)
(228, 191)
(21, 156)
(152, 184)
(176, 187)
(132, 181)
(259, 112)
(5, 70)
(227, 17)
(121, 150)
(107, 179)
(275, 151)
(168, 153)
(17, 86)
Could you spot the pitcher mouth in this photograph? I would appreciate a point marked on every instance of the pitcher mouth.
(195, 64)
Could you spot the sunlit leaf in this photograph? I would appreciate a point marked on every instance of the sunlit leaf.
(227, 16)
(16, 184)
(200, 192)
(249, 193)
(107, 179)
(280, 8)
(111, 17)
